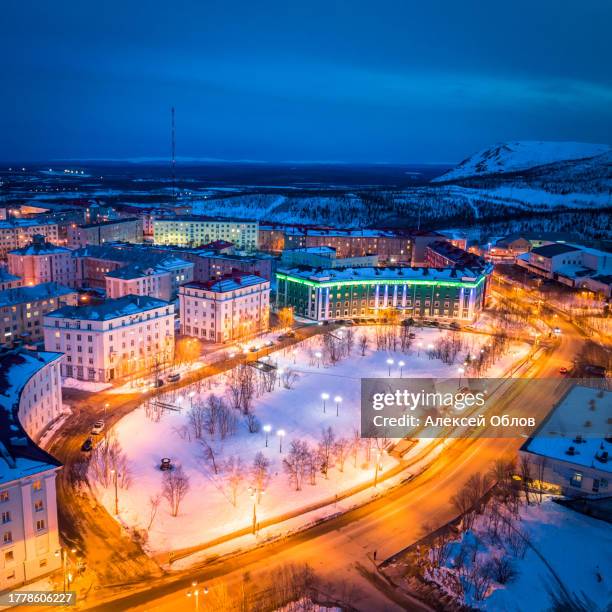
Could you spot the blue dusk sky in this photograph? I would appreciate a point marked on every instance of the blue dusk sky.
(351, 80)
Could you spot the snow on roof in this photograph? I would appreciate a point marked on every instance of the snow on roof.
(574, 423)
(19, 455)
(230, 282)
(109, 222)
(381, 274)
(550, 250)
(16, 223)
(40, 246)
(317, 250)
(201, 219)
(6, 276)
(43, 291)
(109, 309)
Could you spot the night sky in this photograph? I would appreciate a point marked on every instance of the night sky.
(353, 81)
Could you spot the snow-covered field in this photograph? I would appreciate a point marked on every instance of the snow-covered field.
(207, 511)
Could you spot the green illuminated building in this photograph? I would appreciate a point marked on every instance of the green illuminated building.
(345, 293)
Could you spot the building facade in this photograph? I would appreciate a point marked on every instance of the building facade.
(15, 234)
(345, 293)
(131, 335)
(192, 230)
(30, 399)
(324, 257)
(42, 262)
(8, 280)
(22, 310)
(231, 308)
(117, 230)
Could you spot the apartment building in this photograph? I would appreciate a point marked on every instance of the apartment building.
(17, 233)
(22, 310)
(104, 232)
(30, 399)
(42, 262)
(443, 254)
(192, 230)
(236, 306)
(131, 335)
(8, 280)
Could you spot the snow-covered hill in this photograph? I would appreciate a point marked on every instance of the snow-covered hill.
(511, 157)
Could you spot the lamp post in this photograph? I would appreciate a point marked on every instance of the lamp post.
(267, 429)
(390, 362)
(419, 347)
(318, 355)
(191, 396)
(401, 364)
(195, 593)
(338, 401)
(461, 371)
(324, 397)
(281, 371)
(64, 555)
(114, 473)
(255, 493)
(281, 434)
(378, 467)
(106, 404)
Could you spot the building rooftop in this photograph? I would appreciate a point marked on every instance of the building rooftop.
(550, 250)
(382, 274)
(19, 455)
(16, 223)
(6, 276)
(458, 256)
(203, 218)
(315, 250)
(229, 282)
(43, 291)
(109, 222)
(573, 423)
(39, 246)
(109, 309)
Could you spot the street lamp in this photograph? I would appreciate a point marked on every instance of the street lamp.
(324, 397)
(191, 395)
(379, 467)
(267, 429)
(255, 493)
(401, 364)
(390, 362)
(318, 355)
(281, 434)
(461, 371)
(338, 401)
(419, 347)
(106, 405)
(281, 371)
(65, 560)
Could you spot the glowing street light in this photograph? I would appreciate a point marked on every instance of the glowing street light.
(338, 401)
(281, 434)
(390, 362)
(267, 429)
(401, 364)
(461, 372)
(324, 397)
(191, 396)
(318, 355)
(419, 347)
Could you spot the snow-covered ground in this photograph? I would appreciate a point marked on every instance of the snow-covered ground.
(207, 511)
(577, 548)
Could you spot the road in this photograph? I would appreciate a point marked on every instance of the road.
(340, 551)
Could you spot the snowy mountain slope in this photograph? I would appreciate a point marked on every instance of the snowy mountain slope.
(510, 157)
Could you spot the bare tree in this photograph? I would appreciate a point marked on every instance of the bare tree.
(209, 455)
(252, 422)
(175, 486)
(326, 446)
(234, 475)
(197, 420)
(289, 378)
(363, 344)
(526, 476)
(342, 448)
(154, 502)
(260, 472)
(296, 462)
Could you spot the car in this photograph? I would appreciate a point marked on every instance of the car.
(557, 330)
(98, 427)
(290, 334)
(158, 383)
(174, 377)
(165, 464)
(87, 445)
(563, 370)
(254, 349)
(412, 335)
(269, 343)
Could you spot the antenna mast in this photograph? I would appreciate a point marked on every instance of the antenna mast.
(173, 156)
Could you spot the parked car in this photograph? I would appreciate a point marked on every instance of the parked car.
(174, 377)
(563, 370)
(98, 427)
(557, 330)
(165, 464)
(158, 383)
(87, 445)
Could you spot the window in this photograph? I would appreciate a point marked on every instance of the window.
(9, 556)
(37, 485)
(40, 524)
(4, 496)
(7, 537)
(38, 505)
(576, 480)
(6, 517)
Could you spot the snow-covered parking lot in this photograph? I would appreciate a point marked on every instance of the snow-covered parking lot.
(216, 452)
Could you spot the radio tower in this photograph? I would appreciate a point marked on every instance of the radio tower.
(173, 156)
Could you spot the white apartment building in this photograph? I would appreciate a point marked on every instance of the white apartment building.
(195, 231)
(30, 399)
(130, 335)
(17, 233)
(42, 262)
(236, 306)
